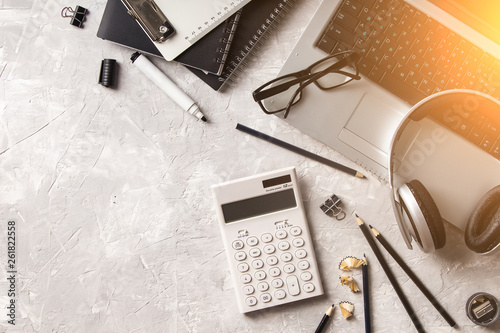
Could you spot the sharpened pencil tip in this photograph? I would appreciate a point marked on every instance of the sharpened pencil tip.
(330, 310)
(359, 175)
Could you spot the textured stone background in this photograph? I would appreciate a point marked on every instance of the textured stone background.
(110, 189)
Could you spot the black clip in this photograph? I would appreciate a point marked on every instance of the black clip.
(77, 15)
(331, 207)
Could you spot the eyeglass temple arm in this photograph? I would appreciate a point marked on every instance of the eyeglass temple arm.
(257, 96)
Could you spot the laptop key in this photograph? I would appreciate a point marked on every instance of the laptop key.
(352, 7)
(342, 35)
(376, 74)
(327, 44)
(401, 89)
(365, 66)
(427, 86)
(428, 70)
(346, 20)
(368, 3)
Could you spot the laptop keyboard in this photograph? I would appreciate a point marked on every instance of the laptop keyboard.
(413, 56)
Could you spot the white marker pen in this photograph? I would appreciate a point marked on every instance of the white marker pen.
(167, 85)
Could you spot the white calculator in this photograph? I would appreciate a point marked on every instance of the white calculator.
(267, 240)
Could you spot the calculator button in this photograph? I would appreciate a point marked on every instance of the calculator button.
(258, 264)
(252, 241)
(306, 276)
(251, 301)
(240, 256)
(246, 278)
(277, 283)
(283, 246)
(301, 254)
(263, 286)
(289, 268)
(243, 267)
(304, 264)
(279, 294)
(269, 248)
(272, 260)
(292, 283)
(275, 271)
(308, 287)
(265, 298)
(281, 234)
(260, 275)
(255, 252)
(286, 257)
(266, 238)
(298, 242)
(238, 245)
(295, 231)
(248, 290)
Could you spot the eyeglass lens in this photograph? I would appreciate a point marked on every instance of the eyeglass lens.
(280, 101)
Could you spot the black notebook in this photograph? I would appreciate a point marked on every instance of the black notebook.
(258, 18)
(206, 55)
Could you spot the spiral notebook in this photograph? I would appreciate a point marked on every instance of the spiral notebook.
(207, 55)
(258, 19)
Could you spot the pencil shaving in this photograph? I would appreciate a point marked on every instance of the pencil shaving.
(346, 308)
(349, 263)
(349, 281)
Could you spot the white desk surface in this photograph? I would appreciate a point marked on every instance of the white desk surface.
(110, 190)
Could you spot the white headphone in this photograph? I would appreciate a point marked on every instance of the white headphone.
(416, 212)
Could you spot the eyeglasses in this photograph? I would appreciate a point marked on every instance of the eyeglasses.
(285, 91)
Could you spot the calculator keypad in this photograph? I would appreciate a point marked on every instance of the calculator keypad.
(273, 267)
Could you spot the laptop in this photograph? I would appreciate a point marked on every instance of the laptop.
(359, 119)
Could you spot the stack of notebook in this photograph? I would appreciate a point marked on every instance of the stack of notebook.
(217, 55)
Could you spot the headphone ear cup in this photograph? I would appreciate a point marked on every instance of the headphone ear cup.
(482, 233)
(430, 212)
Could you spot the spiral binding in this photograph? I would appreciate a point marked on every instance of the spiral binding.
(227, 40)
(233, 69)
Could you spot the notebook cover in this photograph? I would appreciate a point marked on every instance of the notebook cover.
(208, 54)
(258, 18)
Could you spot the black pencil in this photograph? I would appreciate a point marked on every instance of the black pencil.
(299, 151)
(413, 277)
(324, 320)
(366, 296)
(390, 276)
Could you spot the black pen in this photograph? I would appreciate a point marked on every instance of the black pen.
(324, 320)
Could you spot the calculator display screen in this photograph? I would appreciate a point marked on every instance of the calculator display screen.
(264, 204)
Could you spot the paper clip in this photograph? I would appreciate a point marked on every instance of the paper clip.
(331, 207)
(77, 16)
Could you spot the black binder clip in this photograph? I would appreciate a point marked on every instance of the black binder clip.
(331, 207)
(77, 16)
